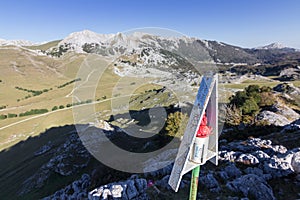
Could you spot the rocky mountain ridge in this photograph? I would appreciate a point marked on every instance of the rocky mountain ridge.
(193, 49)
(248, 169)
(189, 48)
(16, 42)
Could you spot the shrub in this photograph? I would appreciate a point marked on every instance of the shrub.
(57, 52)
(34, 92)
(252, 89)
(262, 123)
(239, 98)
(3, 117)
(11, 115)
(54, 108)
(265, 89)
(33, 112)
(61, 106)
(68, 83)
(233, 115)
(247, 119)
(89, 101)
(256, 97)
(267, 99)
(173, 123)
(249, 102)
(249, 107)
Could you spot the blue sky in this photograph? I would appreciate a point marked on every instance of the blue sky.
(247, 23)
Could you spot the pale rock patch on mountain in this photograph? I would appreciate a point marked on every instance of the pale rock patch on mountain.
(273, 118)
(16, 43)
(274, 45)
(295, 162)
(133, 188)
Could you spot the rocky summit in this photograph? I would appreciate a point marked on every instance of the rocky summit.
(255, 168)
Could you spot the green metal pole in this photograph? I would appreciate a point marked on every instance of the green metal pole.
(194, 183)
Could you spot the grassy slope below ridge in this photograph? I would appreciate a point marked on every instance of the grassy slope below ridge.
(24, 69)
(44, 46)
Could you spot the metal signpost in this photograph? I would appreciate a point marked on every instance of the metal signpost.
(206, 101)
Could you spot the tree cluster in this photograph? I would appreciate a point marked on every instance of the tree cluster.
(33, 112)
(68, 83)
(245, 105)
(71, 104)
(174, 124)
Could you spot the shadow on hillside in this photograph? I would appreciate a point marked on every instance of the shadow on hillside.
(288, 137)
(144, 130)
(242, 133)
(27, 158)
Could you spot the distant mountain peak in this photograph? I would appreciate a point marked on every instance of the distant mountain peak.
(85, 36)
(274, 45)
(4, 42)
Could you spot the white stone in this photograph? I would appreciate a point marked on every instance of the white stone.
(296, 162)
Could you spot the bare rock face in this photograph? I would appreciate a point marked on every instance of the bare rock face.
(286, 111)
(257, 171)
(247, 159)
(67, 159)
(275, 161)
(287, 88)
(70, 157)
(134, 188)
(296, 162)
(252, 186)
(294, 126)
(232, 171)
(262, 156)
(273, 118)
(279, 114)
(210, 182)
(278, 166)
(104, 125)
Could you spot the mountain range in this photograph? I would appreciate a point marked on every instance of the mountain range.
(15, 42)
(192, 49)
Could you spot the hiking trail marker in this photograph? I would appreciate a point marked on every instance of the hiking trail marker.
(206, 101)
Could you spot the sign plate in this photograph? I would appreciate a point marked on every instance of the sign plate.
(182, 159)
